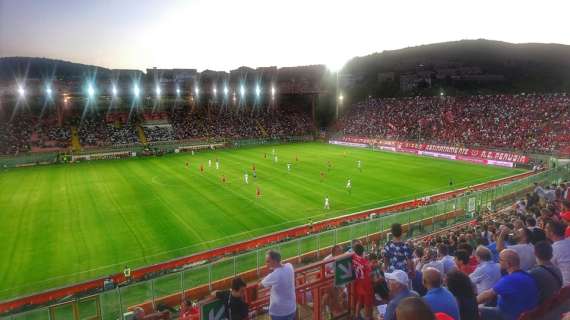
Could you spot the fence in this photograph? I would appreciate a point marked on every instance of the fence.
(197, 281)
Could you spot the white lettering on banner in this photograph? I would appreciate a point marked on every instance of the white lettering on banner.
(413, 147)
(348, 144)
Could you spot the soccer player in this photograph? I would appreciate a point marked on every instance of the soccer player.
(288, 167)
(257, 192)
(359, 165)
(322, 176)
(246, 178)
(349, 185)
(450, 182)
(192, 152)
(187, 164)
(296, 158)
(253, 167)
(264, 155)
(223, 179)
(329, 165)
(254, 174)
(327, 203)
(210, 163)
(201, 168)
(217, 164)
(276, 159)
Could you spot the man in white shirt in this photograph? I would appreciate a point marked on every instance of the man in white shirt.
(523, 248)
(487, 273)
(444, 257)
(281, 280)
(560, 248)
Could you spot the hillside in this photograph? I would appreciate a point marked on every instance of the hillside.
(463, 66)
(41, 68)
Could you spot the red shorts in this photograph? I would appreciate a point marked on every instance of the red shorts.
(363, 293)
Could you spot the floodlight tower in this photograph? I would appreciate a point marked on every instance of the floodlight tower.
(21, 91)
(114, 91)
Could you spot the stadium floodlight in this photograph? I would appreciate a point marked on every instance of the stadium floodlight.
(21, 91)
(48, 92)
(272, 91)
(441, 93)
(242, 91)
(257, 90)
(226, 90)
(197, 90)
(178, 91)
(341, 97)
(157, 91)
(136, 91)
(114, 91)
(90, 91)
(215, 90)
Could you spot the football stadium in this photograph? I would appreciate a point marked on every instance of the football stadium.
(430, 182)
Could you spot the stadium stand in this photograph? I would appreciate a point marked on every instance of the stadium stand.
(535, 123)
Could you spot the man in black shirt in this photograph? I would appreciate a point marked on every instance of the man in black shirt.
(537, 234)
(236, 308)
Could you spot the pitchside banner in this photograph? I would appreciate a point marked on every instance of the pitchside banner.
(466, 154)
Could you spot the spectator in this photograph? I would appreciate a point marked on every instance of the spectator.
(565, 213)
(236, 308)
(398, 282)
(462, 262)
(438, 298)
(487, 273)
(188, 310)
(336, 250)
(516, 292)
(430, 261)
(281, 280)
(523, 248)
(414, 308)
(560, 248)
(537, 234)
(547, 276)
(446, 260)
(397, 254)
(363, 282)
(461, 287)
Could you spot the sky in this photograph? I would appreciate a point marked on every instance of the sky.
(226, 34)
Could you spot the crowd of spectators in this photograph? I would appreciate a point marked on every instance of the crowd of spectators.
(239, 125)
(159, 133)
(94, 129)
(15, 134)
(501, 265)
(521, 122)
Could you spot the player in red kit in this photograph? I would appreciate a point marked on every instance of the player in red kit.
(257, 192)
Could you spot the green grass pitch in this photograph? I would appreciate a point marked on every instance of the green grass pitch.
(67, 223)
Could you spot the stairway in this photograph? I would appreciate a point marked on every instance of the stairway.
(261, 128)
(140, 133)
(75, 142)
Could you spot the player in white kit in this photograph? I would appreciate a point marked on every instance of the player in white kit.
(327, 203)
(246, 178)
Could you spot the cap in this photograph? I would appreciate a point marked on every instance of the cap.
(398, 276)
